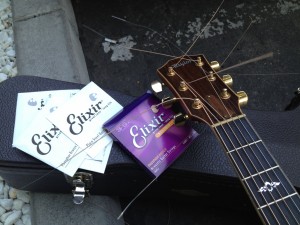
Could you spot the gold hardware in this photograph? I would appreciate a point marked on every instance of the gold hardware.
(197, 104)
(211, 76)
(179, 119)
(224, 94)
(199, 62)
(227, 79)
(215, 65)
(243, 98)
(171, 71)
(183, 86)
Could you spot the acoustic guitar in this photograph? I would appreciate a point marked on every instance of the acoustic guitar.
(207, 97)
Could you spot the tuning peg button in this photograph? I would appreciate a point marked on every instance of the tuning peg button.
(157, 86)
(215, 65)
(227, 79)
(243, 98)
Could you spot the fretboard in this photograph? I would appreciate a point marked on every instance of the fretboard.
(272, 194)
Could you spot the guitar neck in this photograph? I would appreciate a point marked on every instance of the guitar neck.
(272, 194)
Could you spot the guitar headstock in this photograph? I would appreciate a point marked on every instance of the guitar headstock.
(203, 94)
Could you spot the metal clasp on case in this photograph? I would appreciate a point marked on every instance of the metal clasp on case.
(81, 183)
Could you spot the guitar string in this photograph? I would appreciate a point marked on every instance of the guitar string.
(262, 74)
(116, 126)
(197, 95)
(264, 56)
(146, 51)
(192, 45)
(248, 27)
(82, 150)
(194, 42)
(204, 28)
(257, 158)
(149, 28)
(280, 194)
(231, 67)
(240, 39)
(252, 151)
(255, 59)
(258, 135)
(261, 164)
(272, 171)
(120, 46)
(270, 156)
(154, 31)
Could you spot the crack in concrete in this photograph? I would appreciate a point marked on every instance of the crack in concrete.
(28, 17)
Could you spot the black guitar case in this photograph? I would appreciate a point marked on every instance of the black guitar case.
(202, 170)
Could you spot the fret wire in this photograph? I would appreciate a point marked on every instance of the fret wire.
(277, 190)
(233, 150)
(234, 121)
(253, 175)
(241, 144)
(254, 152)
(241, 158)
(221, 125)
(282, 199)
(273, 170)
(246, 184)
(248, 155)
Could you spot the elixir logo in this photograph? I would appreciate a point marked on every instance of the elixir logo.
(42, 142)
(76, 122)
(139, 134)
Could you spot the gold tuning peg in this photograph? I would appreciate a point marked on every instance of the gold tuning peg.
(227, 80)
(215, 65)
(180, 119)
(157, 86)
(167, 102)
(243, 98)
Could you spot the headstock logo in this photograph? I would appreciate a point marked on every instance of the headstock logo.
(181, 63)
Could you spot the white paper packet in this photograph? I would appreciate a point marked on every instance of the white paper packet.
(30, 104)
(96, 164)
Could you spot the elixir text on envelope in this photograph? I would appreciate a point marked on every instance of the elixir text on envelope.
(82, 117)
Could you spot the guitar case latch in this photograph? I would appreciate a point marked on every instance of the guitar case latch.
(81, 183)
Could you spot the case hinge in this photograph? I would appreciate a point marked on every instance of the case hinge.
(81, 183)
